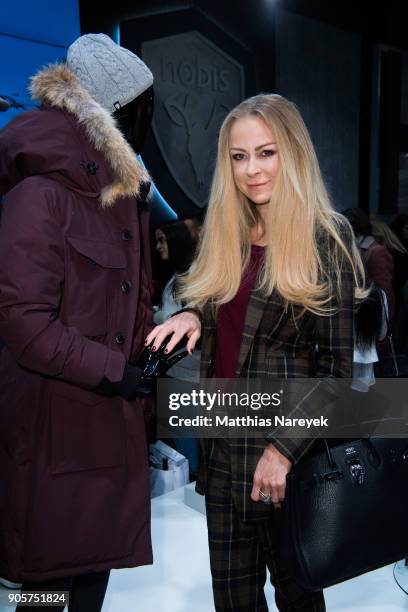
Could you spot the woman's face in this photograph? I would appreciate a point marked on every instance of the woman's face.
(161, 245)
(254, 157)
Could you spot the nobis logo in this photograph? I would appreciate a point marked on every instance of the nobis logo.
(196, 84)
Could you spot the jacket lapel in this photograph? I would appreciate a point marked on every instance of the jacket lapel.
(208, 336)
(257, 305)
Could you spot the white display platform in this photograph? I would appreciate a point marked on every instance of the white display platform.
(401, 575)
(193, 499)
(180, 581)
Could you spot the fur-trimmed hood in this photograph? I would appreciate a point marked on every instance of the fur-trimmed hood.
(71, 139)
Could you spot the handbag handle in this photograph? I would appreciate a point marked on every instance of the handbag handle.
(332, 463)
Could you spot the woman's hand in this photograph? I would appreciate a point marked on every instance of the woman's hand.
(184, 324)
(270, 476)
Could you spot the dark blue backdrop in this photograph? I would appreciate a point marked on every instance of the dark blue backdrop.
(32, 34)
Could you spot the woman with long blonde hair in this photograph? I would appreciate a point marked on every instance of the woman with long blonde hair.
(271, 293)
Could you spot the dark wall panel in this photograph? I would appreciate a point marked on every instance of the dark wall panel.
(200, 73)
(318, 68)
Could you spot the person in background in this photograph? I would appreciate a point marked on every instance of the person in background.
(176, 247)
(385, 236)
(370, 328)
(400, 228)
(74, 311)
(194, 225)
(271, 294)
(377, 258)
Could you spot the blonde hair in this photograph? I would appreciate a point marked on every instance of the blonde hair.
(385, 235)
(299, 208)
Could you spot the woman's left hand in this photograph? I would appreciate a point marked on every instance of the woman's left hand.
(270, 476)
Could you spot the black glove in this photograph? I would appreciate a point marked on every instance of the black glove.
(140, 379)
(127, 387)
(155, 364)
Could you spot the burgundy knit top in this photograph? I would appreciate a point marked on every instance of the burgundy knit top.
(231, 319)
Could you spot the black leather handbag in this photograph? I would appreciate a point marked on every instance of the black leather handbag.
(346, 511)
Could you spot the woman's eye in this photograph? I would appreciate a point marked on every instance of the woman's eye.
(237, 156)
(268, 153)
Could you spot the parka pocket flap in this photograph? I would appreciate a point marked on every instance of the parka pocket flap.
(102, 253)
(87, 429)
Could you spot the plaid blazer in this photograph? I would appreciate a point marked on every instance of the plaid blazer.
(283, 343)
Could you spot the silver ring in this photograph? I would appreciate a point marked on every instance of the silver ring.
(266, 499)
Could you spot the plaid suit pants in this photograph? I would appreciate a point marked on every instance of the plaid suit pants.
(240, 552)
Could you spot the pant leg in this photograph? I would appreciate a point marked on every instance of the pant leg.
(238, 566)
(59, 584)
(289, 595)
(88, 592)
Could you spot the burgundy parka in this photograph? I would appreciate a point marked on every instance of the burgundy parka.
(74, 307)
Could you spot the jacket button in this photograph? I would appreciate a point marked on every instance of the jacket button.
(126, 235)
(126, 286)
(120, 338)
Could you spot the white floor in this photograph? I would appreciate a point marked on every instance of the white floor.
(179, 580)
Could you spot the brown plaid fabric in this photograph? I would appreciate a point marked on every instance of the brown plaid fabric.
(279, 343)
(240, 553)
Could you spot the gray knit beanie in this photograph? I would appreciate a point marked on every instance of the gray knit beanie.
(114, 76)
